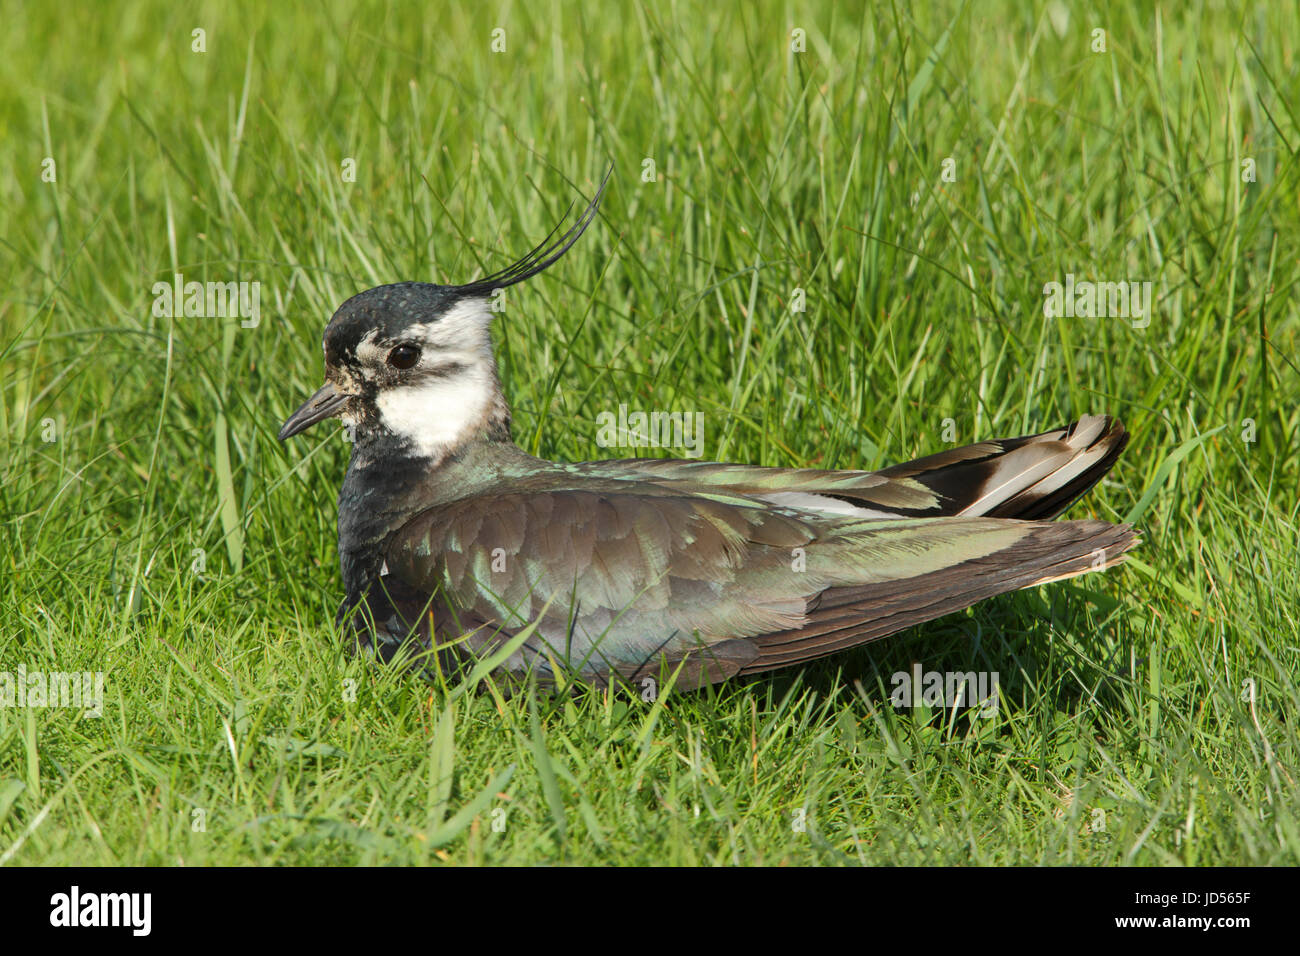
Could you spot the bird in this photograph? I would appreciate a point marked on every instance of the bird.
(453, 542)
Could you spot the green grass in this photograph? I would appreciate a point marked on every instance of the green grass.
(227, 691)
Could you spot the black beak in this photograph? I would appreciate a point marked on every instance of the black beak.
(324, 404)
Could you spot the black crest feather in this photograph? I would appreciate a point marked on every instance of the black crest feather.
(542, 256)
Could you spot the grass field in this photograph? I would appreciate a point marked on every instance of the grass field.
(913, 176)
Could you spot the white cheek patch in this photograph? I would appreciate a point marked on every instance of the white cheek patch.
(436, 414)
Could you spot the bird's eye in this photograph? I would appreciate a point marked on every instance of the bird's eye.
(404, 356)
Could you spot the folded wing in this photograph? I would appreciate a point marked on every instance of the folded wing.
(625, 575)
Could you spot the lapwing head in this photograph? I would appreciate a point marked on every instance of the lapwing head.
(412, 362)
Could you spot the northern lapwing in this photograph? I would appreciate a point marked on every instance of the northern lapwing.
(452, 540)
